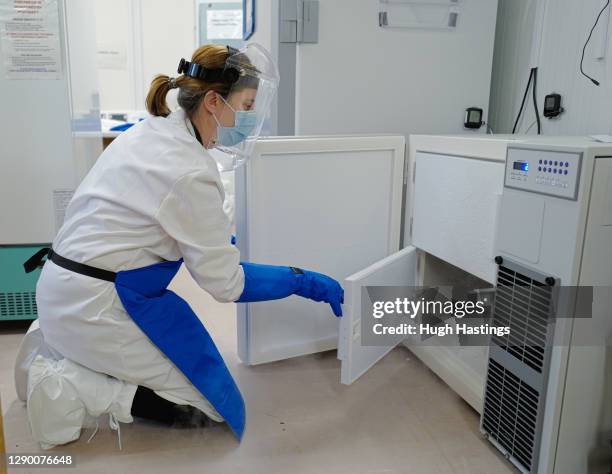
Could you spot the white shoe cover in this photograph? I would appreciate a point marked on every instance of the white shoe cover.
(62, 393)
(33, 344)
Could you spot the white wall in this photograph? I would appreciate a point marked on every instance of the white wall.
(513, 38)
(360, 78)
(168, 34)
(566, 26)
(266, 20)
(112, 31)
(154, 34)
(84, 88)
(266, 34)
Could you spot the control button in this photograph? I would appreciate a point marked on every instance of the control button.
(556, 163)
(555, 171)
(566, 164)
(540, 168)
(540, 161)
(549, 170)
(565, 172)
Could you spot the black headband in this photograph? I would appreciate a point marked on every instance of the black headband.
(226, 74)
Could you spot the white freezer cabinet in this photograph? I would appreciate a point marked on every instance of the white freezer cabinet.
(341, 205)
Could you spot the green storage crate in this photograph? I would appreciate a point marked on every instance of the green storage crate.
(17, 288)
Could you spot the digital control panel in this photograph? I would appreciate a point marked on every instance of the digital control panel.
(543, 171)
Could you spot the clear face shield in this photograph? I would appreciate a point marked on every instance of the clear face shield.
(246, 106)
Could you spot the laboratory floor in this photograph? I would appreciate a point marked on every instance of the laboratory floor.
(398, 418)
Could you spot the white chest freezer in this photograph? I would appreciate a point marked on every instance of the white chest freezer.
(364, 211)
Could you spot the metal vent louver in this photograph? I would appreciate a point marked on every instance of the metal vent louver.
(523, 304)
(18, 305)
(510, 413)
(517, 373)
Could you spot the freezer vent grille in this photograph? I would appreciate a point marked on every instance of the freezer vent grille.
(18, 305)
(510, 413)
(524, 305)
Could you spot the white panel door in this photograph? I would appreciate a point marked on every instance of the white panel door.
(38, 165)
(457, 196)
(327, 204)
(398, 269)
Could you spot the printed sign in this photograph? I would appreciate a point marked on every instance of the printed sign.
(30, 37)
(61, 199)
(224, 24)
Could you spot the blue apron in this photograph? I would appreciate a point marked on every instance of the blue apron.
(170, 323)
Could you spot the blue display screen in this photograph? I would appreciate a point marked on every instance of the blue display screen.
(521, 165)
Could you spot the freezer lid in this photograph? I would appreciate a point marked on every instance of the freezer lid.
(331, 205)
(398, 269)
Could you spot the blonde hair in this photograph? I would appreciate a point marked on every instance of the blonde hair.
(191, 90)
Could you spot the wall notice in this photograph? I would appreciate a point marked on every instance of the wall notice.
(61, 199)
(224, 24)
(30, 38)
(112, 55)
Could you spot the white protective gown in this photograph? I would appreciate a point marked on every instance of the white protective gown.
(154, 194)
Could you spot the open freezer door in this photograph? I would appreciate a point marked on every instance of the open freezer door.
(398, 269)
(327, 204)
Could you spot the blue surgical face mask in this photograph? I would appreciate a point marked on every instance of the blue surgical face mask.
(244, 123)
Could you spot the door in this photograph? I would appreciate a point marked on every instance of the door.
(327, 204)
(398, 269)
(453, 218)
(457, 196)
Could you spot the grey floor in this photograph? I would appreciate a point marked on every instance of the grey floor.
(398, 418)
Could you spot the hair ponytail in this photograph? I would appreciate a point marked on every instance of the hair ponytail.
(190, 90)
(156, 98)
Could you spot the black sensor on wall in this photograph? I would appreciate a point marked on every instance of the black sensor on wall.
(473, 117)
(552, 105)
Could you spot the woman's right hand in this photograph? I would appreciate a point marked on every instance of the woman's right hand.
(271, 282)
(319, 287)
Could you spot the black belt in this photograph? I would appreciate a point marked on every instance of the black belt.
(36, 261)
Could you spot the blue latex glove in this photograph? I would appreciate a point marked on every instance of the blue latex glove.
(270, 282)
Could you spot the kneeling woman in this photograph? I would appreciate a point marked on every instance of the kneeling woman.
(112, 339)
